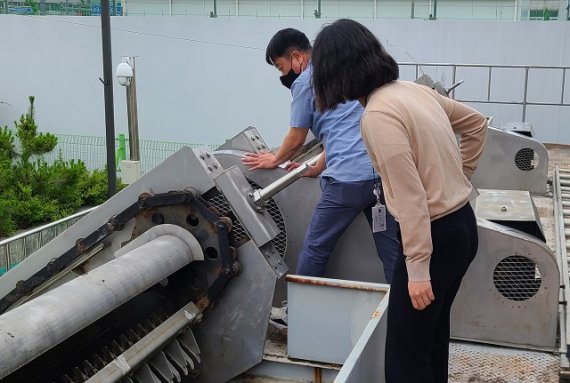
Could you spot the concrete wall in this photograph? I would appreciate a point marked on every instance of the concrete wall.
(203, 80)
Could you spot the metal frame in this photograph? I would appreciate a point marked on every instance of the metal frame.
(527, 68)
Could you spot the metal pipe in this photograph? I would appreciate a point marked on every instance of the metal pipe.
(260, 196)
(40, 324)
(489, 84)
(563, 85)
(525, 93)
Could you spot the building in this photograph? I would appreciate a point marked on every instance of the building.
(327, 9)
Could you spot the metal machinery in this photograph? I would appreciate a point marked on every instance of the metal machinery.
(173, 278)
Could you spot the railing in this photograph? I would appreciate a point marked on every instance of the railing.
(522, 79)
(325, 9)
(15, 249)
(92, 150)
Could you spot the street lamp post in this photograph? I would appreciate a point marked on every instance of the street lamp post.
(130, 170)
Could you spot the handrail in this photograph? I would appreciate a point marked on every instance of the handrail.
(46, 226)
(22, 236)
(523, 101)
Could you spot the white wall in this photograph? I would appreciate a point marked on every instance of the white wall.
(202, 80)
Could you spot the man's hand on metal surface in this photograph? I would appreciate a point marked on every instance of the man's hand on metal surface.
(292, 165)
(264, 160)
(421, 294)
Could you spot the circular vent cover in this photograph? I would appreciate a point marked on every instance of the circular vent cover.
(517, 278)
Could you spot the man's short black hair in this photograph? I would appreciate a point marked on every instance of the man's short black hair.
(348, 63)
(284, 42)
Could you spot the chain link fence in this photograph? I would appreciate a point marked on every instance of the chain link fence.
(92, 150)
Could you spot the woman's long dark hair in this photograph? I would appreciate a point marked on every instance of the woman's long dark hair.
(349, 62)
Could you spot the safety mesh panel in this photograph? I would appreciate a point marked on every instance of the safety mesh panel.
(239, 233)
(517, 278)
(526, 159)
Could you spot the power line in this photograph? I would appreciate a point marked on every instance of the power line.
(157, 35)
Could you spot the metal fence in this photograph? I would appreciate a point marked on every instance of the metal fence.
(92, 150)
(518, 87)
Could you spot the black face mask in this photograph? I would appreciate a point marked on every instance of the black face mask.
(288, 79)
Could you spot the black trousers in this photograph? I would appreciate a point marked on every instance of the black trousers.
(417, 342)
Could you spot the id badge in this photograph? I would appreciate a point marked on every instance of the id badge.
(378, 218)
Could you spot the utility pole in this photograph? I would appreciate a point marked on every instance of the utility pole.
(108, 93)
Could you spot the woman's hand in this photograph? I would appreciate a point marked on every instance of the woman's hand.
(420, 294)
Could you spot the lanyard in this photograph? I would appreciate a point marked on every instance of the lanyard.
(378, 189)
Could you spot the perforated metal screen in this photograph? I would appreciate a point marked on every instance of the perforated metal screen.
(280, 242)
(517, 278)
(526, 159)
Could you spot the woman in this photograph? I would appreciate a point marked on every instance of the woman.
(409, 132)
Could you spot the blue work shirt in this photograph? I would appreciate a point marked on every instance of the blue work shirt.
(338, 130)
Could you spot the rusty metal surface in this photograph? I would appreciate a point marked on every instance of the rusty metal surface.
(354, 285)
(474, 363)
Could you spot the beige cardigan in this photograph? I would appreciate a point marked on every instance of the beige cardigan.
(409, 131)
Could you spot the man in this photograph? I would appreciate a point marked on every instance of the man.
(347, 180)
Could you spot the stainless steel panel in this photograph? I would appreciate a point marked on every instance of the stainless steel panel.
(259, 224)
(505, 205)
(232, 333)
(510, 293)
(366, 360)
(326, 317)
(512, 161)
(248, 140)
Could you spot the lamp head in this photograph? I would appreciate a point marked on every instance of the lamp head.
(124, 73)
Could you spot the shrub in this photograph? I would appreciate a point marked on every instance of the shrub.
(34, 192)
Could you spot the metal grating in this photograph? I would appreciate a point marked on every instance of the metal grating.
(475, 363)
(280, 242)
(220, 203)
(526, 159)
(517, 278)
